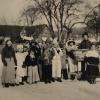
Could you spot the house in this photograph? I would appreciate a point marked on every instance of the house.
(14, 31)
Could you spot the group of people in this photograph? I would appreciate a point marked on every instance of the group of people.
(48, 62)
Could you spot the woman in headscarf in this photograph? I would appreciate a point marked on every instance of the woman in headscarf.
(9, 61)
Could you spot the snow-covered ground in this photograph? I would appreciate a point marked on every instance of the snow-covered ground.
(67, 90)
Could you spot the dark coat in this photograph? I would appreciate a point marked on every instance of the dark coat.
(47, 56)
(36, 50)
(92, 68)
(71, 54)
(85, 44)
(29, 61)
(8, 52)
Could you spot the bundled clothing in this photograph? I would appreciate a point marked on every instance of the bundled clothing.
(32, 68)
(38, 51)
(47, 65)
(56, 63)
(9, 61)
(40, 61)
(64, 64)
(85, 44)
(92, 62)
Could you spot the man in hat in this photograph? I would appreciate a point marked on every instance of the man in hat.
(85, 44)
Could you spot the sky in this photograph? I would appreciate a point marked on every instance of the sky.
(10, 10)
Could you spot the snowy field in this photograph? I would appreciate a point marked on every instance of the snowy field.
(67, 90)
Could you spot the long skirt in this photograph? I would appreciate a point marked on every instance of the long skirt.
(72, 66)
(40, 71)
(64, 72)
(92, 71)
(47, 72)
(33, 75)
(19, 74)
(8, 72)
(56, 67)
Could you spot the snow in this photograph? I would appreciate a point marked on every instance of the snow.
(66, 90)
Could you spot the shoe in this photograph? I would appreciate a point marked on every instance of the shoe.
(49, 81)
(72, 77)
(59, 80)
(45, 82)
(6, 85)
(21, 83)
(16, 84)
(53, 80)
(12, 85)
(94, 82)
(35, 82)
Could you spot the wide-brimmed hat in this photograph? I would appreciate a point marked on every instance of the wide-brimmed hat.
(71, 41)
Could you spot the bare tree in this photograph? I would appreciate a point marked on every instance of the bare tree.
(92, 19)
(30, 14)
(60, 14)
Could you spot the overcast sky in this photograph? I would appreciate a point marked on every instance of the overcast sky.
(11, 9)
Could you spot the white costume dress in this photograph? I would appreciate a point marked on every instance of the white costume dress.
(56, 65)
(72, 66)
(20, 71)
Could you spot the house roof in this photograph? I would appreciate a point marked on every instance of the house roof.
(13, 30)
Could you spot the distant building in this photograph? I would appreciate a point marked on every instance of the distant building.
(14, 31)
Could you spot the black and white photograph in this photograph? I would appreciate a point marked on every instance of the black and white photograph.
(49, 49)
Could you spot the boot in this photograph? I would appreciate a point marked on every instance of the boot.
(53, 79)
(6, 85)
(59, 80)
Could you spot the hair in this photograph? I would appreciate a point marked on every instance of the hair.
(85, 33)
(7, 42)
